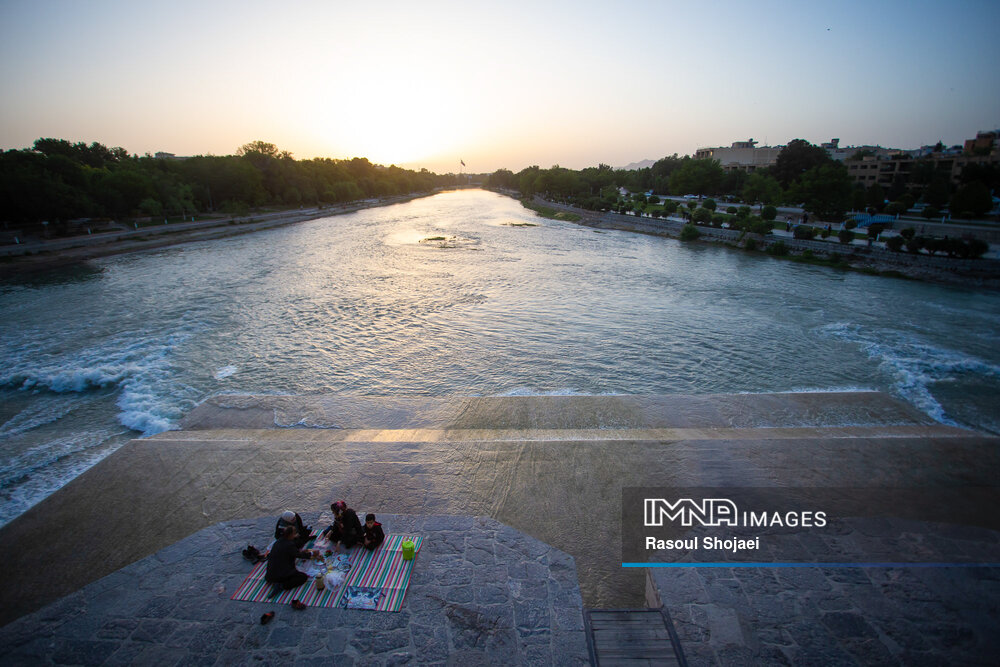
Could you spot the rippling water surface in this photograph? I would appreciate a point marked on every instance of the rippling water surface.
(362, 304)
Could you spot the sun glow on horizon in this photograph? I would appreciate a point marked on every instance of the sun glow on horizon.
(429, 84)
(398, 120)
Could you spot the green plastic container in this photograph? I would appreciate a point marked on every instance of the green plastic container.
(407, 550)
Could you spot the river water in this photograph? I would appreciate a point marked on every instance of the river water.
(507, 304)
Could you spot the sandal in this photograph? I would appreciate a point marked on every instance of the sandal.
(298, 605)
(266, 618)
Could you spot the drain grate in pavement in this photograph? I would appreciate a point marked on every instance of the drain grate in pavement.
(632, 637)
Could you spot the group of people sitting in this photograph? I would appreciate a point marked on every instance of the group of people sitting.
(291, 536)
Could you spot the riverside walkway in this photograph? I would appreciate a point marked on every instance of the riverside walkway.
(550, 467)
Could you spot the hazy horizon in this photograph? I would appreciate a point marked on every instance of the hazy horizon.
(430, 84)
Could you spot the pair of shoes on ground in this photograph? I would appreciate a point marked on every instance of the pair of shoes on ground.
(269, 616)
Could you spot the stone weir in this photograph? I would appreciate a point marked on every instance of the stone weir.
(552, 467)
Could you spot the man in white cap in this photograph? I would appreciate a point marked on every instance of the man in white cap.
(290, 518)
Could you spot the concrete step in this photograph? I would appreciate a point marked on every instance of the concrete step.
(304, 435)
(604, 413)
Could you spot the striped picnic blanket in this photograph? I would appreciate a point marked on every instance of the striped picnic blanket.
(383, 569)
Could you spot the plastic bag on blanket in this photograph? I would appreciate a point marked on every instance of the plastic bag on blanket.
(334, 579)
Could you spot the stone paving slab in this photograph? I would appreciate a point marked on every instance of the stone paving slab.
(481, 593)
(842, 616)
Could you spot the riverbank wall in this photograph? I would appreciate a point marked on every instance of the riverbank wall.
(983, 272)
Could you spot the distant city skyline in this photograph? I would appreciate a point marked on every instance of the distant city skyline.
(430, 84)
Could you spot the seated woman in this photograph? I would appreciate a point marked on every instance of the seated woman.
(372, 533)
(281, 572)
(290, 518)
(346, 528)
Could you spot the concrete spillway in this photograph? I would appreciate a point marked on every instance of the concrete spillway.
(552, 467)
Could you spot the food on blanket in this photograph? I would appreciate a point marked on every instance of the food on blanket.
(319, 583)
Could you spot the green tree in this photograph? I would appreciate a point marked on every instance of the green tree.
(895, 208)
(977, 248)
(859, 198)
(689, 232)
(661, 170)
(895, 243)
(875, 197)
(826, 191)
(761, 188)
(804, 232)
(938, 192)
(258, 148)
(702, 215)
(914, 244)
(700, 177)
(795, 159)
(769, 213)
(971, 201)
(526, 180)
(709, 204)
(759, 226)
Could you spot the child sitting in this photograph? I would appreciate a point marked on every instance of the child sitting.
(372, 534)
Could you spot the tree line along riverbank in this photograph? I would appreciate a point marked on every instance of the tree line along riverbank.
(57, 188)
(803, 175)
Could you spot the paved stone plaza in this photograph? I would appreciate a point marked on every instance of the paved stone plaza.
(547, 471)
(481, 593)
(844, 615)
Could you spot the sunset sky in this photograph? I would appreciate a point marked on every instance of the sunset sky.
(425, 84)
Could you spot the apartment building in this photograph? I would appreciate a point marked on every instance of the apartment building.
(898, 166)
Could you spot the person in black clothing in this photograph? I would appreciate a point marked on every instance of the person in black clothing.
(281, 572)
(290, 518)
(346, 528)
(372, 534)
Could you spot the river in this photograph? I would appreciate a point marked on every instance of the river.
(507, 304)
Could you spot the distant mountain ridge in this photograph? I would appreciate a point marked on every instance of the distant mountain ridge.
(639, 165)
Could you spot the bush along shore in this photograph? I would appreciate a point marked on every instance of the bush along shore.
(840, 253)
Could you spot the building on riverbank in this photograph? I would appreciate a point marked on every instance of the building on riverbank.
(741, 156)
(915, 169)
